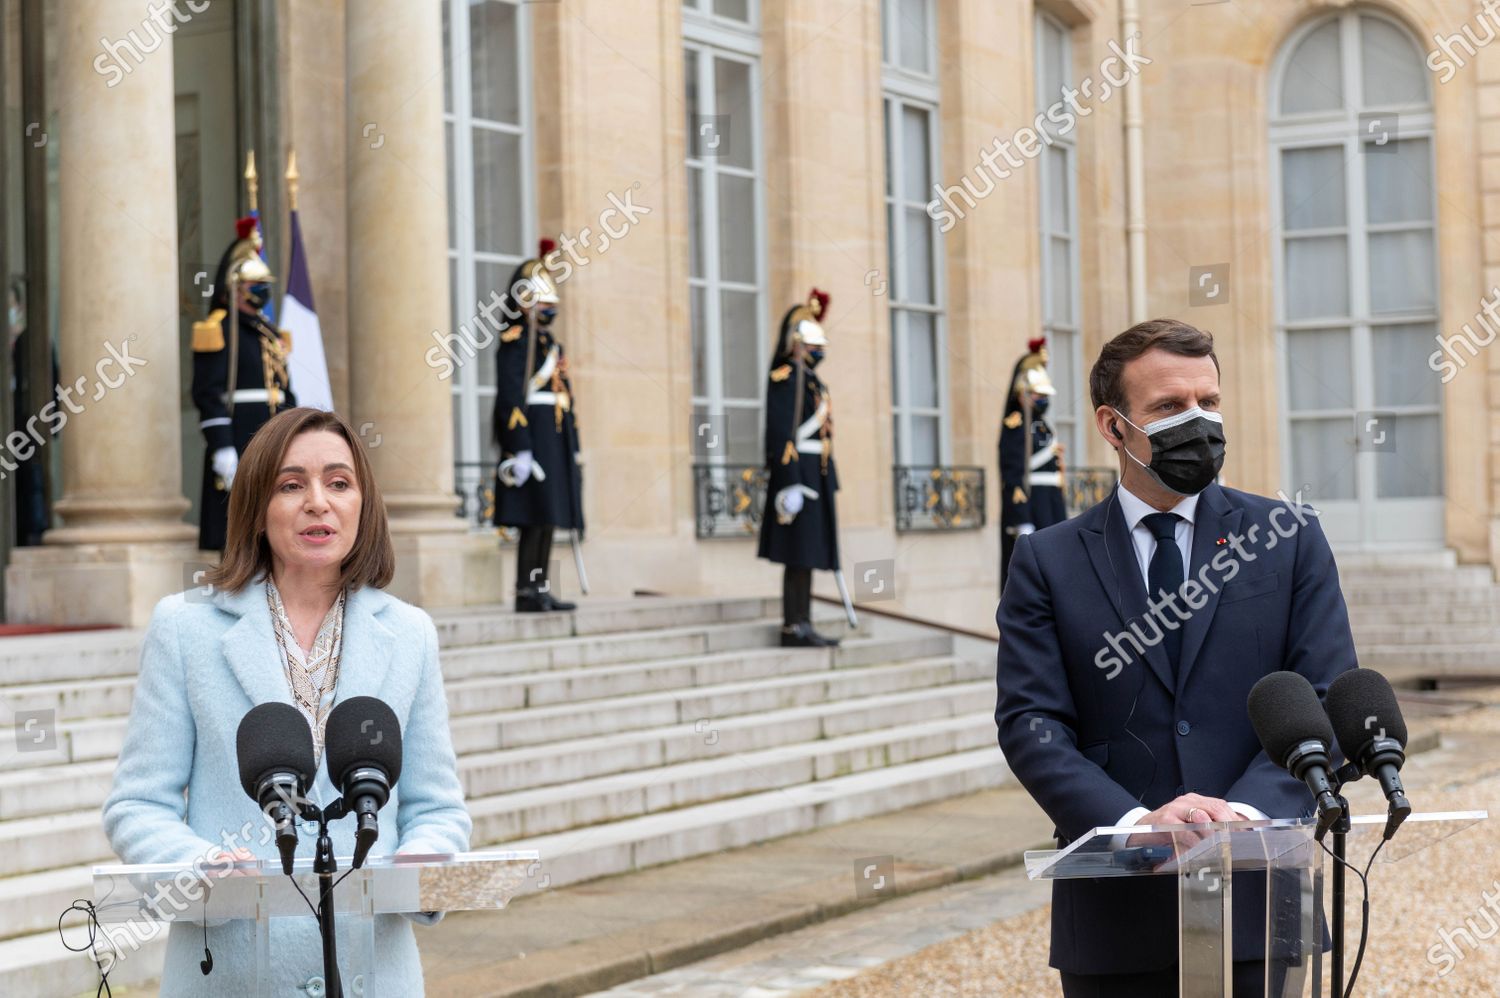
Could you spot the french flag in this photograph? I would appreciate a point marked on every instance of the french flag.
(308, 364)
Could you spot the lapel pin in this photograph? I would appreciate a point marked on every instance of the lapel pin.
(1221, 540)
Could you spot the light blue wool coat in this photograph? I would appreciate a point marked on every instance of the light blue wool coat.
(204, 665)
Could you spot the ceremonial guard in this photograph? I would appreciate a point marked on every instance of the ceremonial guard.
(799, 528)
(540, 488)
(240, 377)
(1031, 469)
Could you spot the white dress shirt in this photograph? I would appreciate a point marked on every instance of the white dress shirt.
(1135, 510)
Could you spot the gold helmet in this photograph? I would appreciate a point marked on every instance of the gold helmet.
(804, 319)
(1031, 371)
(533, 283)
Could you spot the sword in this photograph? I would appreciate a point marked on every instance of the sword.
(583, 577)
(838, 576)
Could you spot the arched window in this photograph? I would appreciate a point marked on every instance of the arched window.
(1351, 132)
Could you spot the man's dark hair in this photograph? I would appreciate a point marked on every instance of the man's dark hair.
(1105, 380)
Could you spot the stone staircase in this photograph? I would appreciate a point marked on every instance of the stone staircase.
(631, 733)
(1423, 619)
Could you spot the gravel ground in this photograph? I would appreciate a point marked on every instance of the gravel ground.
(1428, 920)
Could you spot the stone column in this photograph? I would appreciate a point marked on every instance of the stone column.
(398, 284)
(120, 543)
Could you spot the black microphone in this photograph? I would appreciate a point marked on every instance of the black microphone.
(275, 748)
(363, 739)
(1372, 734)
(1294, 731)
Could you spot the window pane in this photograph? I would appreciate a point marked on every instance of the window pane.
(739, 10)
(1319, 371)
(1313, 80)
(885, 124)
(452, 185)
(1402, 376)
(741, 345)
(1052, 64)
(447, 58)
(916, 147)
(1070, 391)
(1401, 271)
(495, 86)
(736, 228)
(925, 433)
(1414, 464)
(1312, 187)
(489, 277)
(921, 361)
(734, 104)
(1060, 281)
(916, 256)
(484, 444)
(744, 425)
(911, 29)
(690, 85)
(460, 446)
(1317, 277)
(700, 349)
(1056, 191)
(497, 191)
(1391, 66)
(695, 221)
(1323, 457)
(1398, 182)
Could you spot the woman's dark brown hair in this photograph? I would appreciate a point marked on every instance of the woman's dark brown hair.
(247, 552)
(1105, 380)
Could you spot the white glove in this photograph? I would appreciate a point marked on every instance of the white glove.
(225, 462)
(522, 468)
(1025, 528)
(789, 502)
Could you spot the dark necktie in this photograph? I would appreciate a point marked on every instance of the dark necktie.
(1165, 575)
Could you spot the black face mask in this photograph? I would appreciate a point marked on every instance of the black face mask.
(1187, 450)
(814, 356)
(259, 294)
(1039, 406)
(545, 315)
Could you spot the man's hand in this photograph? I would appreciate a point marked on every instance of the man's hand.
(1189, 809)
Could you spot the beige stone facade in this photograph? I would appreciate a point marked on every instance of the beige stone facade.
(607, 111)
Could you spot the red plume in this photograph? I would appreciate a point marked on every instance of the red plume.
(1032, 346)
(244, 226)
(545, 246)
(821, 297)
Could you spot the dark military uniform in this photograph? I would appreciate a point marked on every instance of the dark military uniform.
(260, 388)
(1041, 502)
(799, 453)
(534, 412)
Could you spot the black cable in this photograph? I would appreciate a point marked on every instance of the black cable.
(1364, 919)
(94, 928)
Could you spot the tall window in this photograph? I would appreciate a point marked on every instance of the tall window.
(491, 220)
(1351, 136)
(726, 279)
(919, 390)
(1058, 183)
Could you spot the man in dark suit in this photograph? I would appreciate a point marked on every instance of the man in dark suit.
(1119, 708)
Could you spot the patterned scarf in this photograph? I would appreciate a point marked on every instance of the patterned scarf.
(314, 676)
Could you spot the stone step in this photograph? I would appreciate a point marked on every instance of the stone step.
(29, 793)
(1437, 615)
(1408, 596)
(1395, 560)
(1422, 634)
(544, 810)
(1452, 577)
(1400, 663)
(99, 698)
(702, 706)
(39, 966)
(636, 843)
(32, 902)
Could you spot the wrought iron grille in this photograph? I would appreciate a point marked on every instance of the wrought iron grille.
(939, 498)
(728, 499)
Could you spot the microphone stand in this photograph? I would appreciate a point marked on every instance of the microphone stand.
(1340, 842)
(325, 866)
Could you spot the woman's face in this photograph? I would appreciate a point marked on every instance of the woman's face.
(313, 517)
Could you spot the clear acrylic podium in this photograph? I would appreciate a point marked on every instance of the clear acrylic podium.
(1205, 858)
(258, 891)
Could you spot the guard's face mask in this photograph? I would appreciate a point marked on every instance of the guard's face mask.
(814, 356)
(546, 314)
(258, 295)
(1187, 450)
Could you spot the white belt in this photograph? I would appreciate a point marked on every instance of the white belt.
(810, 446)
(1044, 455)
(1046, 478)
(251, 395)
(546, 398)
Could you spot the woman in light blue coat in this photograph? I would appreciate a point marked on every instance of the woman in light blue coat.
(294, 613)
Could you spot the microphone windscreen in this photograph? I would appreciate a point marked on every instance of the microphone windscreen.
(1284, 710)
(362, 731)
(274, 736)
(1361, 704)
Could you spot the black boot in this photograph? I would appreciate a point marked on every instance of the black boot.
(802, 635)
(796, 603)
(531, 601)
(544, 561)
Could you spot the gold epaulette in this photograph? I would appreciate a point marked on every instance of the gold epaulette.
(782, 373)
(208, 334)
(790, 453)
(1013, 420)
(517, 418)
(511, 335)
(286, 340)
(1019, 495)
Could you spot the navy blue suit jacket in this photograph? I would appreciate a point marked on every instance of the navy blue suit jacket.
(1094, 723)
